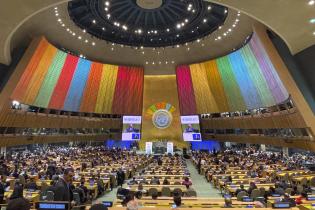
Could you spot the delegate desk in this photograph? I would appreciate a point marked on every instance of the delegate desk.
(232, 188)
(160, 176)
(188, 203)
(158, 187)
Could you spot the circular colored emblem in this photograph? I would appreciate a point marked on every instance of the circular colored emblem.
(162, 119)
(161, 114)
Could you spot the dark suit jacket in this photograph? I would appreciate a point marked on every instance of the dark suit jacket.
(62, 191)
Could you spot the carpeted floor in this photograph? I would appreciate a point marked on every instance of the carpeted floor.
(200, 184)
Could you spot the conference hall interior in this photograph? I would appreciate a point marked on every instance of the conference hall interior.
(157, 104)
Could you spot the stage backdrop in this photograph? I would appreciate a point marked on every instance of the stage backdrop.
(244, 79)
(160, 104)
(57, 80)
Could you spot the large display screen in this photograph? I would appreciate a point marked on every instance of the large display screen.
(191, 128)
(131, 128)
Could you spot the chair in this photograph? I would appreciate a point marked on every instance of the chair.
(312, 182)
(240, 195)
(166, 191)
(22, 180)
(178, 191)
(255, 193)
(299, 188)
(191, 193)
(152, 191)
(76, 198)
(43, 196)
(44, 186)
(288, 190)
(262, 191)
(177, 183)
(50, 196)
(304, 181)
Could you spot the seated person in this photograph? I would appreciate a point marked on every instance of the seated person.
(300, 199)
(165, 181)
(155, 180)
(140, 188)
(177, 201)
(154, 196)
(133, 181)
(252, 186)
(288, 199)
(31, 185)
(241, 189)
(279, 190)
(227, 203)
(187, 182)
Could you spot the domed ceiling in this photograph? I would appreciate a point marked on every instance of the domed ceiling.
(148, 23)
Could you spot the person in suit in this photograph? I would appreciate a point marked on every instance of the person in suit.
(31, 185)
(63, 190)
(120, 177)
(189, 129)
(240, 189)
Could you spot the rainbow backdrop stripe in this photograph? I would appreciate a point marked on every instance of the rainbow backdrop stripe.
(56, 80)
(244, 79)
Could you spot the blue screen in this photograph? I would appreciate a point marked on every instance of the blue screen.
(52, 206)
(282, 205)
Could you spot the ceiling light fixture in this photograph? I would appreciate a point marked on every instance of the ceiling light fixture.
(311, 2)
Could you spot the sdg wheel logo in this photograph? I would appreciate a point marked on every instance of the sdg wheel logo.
(161, 114)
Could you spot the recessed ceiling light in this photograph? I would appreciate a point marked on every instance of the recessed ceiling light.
(198, 40)
(79, 37)
(57, 14)
(314, 33)
(93, 43)
(173, 62)
(311, 2)
(112, 49)
(86, 41)
(312, 20)
(73, 34)
(209, 7)
(106, 3)
(146, 62)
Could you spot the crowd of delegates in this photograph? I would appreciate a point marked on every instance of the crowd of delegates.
(60, 165)
(258, 164)
(165, 165)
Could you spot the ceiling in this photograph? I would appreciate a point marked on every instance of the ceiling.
(148, 23)
(288, 18)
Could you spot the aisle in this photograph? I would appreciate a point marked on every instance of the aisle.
(200, 184)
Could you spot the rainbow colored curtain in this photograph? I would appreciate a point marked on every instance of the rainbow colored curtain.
(57, 80)
(244, 79)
